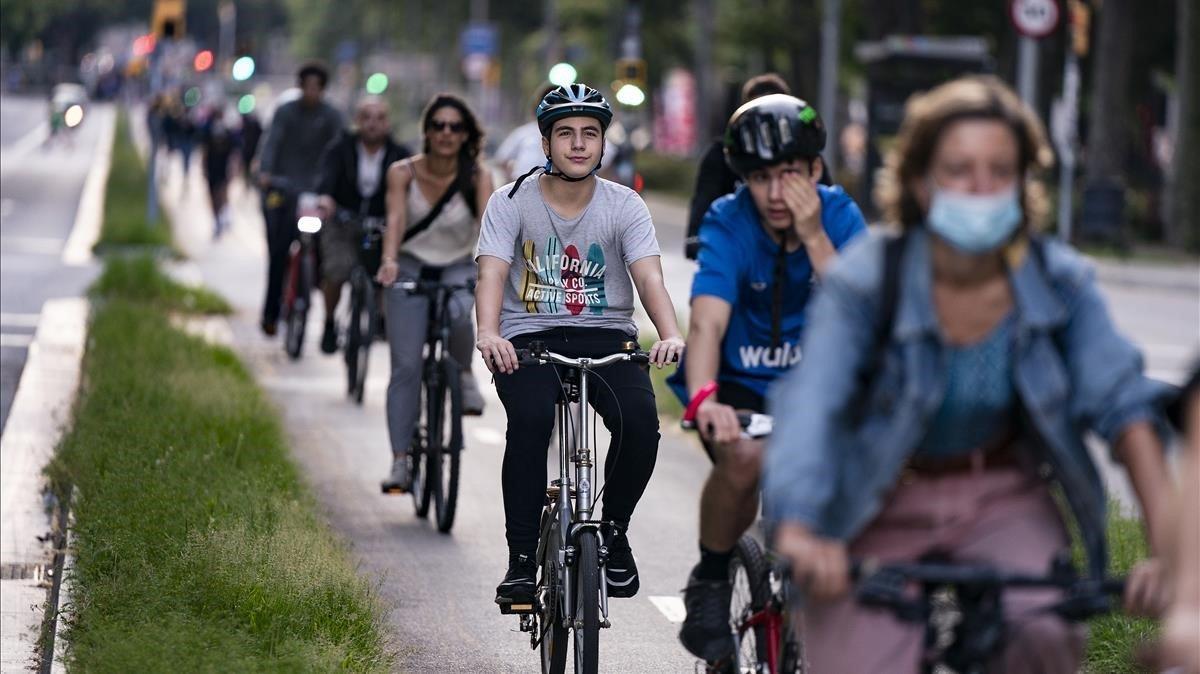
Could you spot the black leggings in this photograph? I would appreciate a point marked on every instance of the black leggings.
(529, 395)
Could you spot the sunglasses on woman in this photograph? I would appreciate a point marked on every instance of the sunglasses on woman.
(452, 127)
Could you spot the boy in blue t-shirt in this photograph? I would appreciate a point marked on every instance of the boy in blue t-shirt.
(761, 250)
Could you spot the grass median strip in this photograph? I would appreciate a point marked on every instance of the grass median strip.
(125, 199)
(197, 548)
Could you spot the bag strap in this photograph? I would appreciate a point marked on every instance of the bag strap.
(889, 297)
(426, 221)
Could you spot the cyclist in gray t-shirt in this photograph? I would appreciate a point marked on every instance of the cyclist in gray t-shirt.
(559, 256)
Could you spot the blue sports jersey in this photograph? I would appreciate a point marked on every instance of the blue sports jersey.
(737, 264)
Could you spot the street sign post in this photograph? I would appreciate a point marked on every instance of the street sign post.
(1034, 20)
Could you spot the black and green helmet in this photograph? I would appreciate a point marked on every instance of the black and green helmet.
(573, 100)
(770, 130)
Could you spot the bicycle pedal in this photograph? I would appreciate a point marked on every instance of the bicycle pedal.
(392, 491)
(515, 608)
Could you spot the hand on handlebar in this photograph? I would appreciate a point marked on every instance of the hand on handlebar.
(819, 565)
(388, 271)
(718, 422)
(666, 351)
(1146, 593)
(498, 354)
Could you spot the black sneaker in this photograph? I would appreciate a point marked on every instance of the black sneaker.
(399, 481)
(329, 339)
(706, 633)
(620, 569)
(519, 583)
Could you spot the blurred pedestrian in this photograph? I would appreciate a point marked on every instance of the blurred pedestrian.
(251, 132)
(1181, 626)
(522, 148)
(180, 132)
(219, 146)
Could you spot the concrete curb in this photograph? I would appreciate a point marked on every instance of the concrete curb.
(41, 410)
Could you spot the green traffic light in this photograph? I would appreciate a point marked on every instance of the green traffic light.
(246, 104)
(563, 74)
(377, 84)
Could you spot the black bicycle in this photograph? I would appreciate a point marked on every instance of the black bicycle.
(962, 606)
(363, 322)
(571, 595)
(437, 446)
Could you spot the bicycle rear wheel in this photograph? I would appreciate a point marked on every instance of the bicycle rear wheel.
(748, 575)
(553, 646)
(434, 403)
(587, 604)
(449, 447)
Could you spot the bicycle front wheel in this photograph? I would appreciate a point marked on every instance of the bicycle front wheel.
(748, 575)
(297, 316)
(449, 447)
(587, 604)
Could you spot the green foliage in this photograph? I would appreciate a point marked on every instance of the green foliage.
(197, 548)
(665, 173)
(125, 199)
(138, 279)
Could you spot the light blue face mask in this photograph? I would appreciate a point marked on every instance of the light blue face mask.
(974, 223)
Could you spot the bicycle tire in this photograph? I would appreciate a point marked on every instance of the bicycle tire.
(416, 487)
(587, 604)
(554, 644)
(449, 450)
(297, 319)
(748, 576)
(359, 335)
(431, 426)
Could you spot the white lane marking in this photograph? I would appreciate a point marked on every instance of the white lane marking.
(7, 206)
(671, 607)
(15, 341)
(488, 436)
(86, 230)
(14, 153)
(19, 320)
(37, 245)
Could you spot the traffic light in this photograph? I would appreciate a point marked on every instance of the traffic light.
(562, 74)
(243, 69)
(632, 71)
(167, 19)
(203, 60)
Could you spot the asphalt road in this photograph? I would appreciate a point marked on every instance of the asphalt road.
(40, 186)
(438, 589)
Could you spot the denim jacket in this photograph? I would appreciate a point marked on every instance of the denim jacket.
(830, 467)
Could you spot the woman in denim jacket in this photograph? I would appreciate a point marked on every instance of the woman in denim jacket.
(933, 434)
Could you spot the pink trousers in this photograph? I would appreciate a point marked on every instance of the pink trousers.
(1002, 517)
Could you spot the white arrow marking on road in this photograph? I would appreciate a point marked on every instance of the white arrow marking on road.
(671, 607)
(15, 341)
(488, 436)
(19, 320)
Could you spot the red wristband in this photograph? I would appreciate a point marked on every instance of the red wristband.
(705, 391)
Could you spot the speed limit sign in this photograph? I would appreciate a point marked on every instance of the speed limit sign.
(1034, 18)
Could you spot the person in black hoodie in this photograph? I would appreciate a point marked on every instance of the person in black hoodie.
(715, 179)
(353, 167)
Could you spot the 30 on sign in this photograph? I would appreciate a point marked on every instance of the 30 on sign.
(1034, 18)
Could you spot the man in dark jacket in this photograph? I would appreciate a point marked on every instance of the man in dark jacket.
(352, 178)
(714, 178)
(299, 131)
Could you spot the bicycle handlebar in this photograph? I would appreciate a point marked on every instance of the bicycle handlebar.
(755, 425)
(527, 357)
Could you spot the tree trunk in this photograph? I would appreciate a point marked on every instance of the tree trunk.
(1183, 227)
(704, 13)
(1108, 131)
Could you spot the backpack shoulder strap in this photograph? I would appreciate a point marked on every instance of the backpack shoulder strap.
(426, 221)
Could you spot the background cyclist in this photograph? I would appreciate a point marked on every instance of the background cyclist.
(449, 166)
(299, 132)
(559, 256)
(762, 249)
(998, 355)
(352, 178)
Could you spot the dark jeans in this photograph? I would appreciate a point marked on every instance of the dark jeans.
(529, 395)
(281, 232)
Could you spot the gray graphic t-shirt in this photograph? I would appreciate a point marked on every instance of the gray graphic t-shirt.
(567, 272)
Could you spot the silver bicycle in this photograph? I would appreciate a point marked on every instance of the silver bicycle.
(571, 594)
